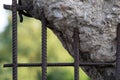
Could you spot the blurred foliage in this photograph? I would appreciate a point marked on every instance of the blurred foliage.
(29, 51)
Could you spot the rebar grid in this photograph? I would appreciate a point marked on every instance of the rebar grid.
(44, 63)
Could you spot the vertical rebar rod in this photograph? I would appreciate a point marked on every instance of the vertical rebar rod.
(76, 54)
(118, 53)
(44, 49)
(14, 38)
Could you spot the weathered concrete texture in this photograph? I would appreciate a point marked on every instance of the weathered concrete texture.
(96, 21)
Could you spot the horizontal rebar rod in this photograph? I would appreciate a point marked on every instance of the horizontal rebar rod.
(9, 7)
(60, 64)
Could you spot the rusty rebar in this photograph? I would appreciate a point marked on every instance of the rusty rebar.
(76, 53)
(44, 63)
(14, 38)
(62, 64)
(19, 7)
(118, 54)
(44, 49)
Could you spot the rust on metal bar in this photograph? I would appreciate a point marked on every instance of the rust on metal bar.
(61, 64)
(118, 54)
(8, 7)
(76, 53)
(14, 39)
(14, 7)
(19, 7)
(44, 48)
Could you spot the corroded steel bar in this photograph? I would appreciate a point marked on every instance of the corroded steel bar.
(19, 7)
(61, 64)
(8, 7)
(14, 38)
(118, 54)
(44, 49)
(76, 53)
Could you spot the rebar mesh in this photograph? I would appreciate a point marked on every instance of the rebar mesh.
(14, 7)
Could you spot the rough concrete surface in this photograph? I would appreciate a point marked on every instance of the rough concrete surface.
(96, 20)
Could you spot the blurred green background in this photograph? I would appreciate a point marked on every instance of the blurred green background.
(29, 51)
